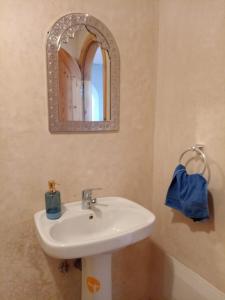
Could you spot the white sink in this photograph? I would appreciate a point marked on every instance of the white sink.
(113, 223)
(94, 234)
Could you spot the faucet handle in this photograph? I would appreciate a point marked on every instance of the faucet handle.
(93, 189)
(87, 193)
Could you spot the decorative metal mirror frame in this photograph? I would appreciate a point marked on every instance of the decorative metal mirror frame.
(63, 30)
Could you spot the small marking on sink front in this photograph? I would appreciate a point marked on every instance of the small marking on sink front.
(93, 284)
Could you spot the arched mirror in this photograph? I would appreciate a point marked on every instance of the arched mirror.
(83, 76)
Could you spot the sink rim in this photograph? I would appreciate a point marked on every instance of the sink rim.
(130, 236)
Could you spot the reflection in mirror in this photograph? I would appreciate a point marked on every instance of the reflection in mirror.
(84, 82)
(83, 75)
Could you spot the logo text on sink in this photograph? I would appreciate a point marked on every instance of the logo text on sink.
(93, 284)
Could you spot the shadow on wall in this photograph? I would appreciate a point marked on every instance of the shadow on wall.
(162, 274)
(206, 226)
(68, 284)
(131, 277)
(142, 271)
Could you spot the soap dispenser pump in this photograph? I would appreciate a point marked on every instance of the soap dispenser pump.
(52, 201)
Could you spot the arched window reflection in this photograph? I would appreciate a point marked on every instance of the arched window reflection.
(97, 86)
(84, 81)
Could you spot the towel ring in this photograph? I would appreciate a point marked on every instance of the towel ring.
(200, 152)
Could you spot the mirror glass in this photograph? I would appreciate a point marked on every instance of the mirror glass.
(84, 82)
(84, 66)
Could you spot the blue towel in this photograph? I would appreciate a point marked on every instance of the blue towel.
(188, 194)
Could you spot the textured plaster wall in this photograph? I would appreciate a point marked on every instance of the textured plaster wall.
(189, 109)
(120, 163)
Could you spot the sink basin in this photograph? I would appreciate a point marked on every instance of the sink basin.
(93, 234)
(111, 224)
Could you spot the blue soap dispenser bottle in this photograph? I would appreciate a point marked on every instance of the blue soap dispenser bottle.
(52, 201)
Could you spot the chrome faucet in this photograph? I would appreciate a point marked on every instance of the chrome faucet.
(87, 200)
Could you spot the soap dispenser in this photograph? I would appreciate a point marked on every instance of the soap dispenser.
(52, 201)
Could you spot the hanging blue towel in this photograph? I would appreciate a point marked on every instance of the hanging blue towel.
(188, 194)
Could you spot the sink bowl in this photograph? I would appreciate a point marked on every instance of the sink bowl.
(111, 224)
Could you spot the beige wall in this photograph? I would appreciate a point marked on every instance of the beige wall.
(190, 108)
(120, 163)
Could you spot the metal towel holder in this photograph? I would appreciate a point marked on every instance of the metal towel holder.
(199, 150)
